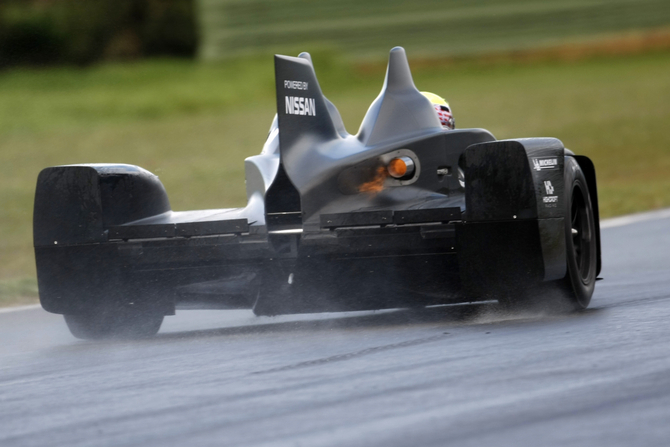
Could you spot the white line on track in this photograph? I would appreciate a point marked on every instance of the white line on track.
(19, 308)
(635, 218)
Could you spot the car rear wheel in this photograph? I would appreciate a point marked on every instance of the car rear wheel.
(574, 291)
(580, 239)
(113, 324)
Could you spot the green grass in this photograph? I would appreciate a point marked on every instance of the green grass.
(66, 98)
(194, 124)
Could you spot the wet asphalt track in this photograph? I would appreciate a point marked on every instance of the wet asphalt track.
(466, 376)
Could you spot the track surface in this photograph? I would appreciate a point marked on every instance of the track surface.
(465, 376)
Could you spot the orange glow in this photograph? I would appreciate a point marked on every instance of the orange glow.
(377, 183)
(397, 168)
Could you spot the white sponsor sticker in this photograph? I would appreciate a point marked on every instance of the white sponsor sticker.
(540, 164)
(297, 105)
(548, 187)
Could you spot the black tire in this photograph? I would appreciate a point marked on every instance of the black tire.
(580, 239)
(114, 324)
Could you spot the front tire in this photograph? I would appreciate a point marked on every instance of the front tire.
(109, 324)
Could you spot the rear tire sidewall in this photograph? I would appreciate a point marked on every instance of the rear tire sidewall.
(579, 284)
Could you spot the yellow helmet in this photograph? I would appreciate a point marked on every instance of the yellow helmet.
(442, 108)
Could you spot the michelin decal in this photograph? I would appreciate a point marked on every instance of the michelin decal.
(540, 164)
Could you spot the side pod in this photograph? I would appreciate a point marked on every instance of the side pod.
(513, 231)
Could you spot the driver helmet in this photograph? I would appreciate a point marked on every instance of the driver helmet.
(443, 110)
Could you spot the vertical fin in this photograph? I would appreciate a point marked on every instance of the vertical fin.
(302, 109)
(304, 121)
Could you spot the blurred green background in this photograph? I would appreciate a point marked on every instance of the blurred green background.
(185, 88)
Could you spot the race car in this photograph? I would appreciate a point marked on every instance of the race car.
(403, 214)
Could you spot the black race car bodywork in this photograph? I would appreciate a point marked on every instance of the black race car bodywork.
(326, 227)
